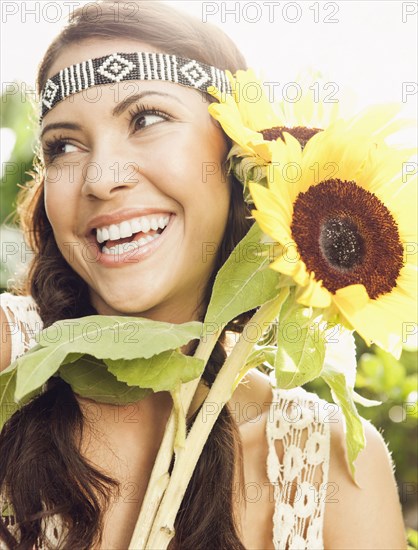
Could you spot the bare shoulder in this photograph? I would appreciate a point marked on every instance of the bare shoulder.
(252, 397)
(368, 516)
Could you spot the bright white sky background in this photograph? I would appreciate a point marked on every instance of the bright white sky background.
(369, 47)
(366, 49)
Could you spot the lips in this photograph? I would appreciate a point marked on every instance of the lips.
(119, 216)
(95, 254)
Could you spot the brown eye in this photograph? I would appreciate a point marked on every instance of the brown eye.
(57, 147)
(142, 117)
(144, 120)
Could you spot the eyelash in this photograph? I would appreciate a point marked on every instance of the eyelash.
(142, 109)
(52, 146)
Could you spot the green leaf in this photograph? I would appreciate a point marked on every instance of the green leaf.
(162, 372)
(7, 390)
(300, 346)
(244, 282)
(116, 337)
(101, 337)
(89, 377)
(8, 403)
(72, 358)
(34, 368)
(364, 401)
(343, 396)
(259, 355)
(6, 508)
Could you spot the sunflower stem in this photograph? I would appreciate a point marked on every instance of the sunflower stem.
(159, 476)
(186, 459)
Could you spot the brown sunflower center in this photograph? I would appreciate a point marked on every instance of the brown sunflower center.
(301, 133)
(345, 235)
(341, 243)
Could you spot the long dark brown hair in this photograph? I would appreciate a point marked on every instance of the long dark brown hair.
(40, 444)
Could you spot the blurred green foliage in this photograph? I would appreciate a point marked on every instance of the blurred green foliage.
(412, 539)
(19, 115)
(18, 123)
(395, 383)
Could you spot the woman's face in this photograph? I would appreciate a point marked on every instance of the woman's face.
(156, 160)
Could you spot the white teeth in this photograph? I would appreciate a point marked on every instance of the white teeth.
(114, 232)
(129, 227)
(125, 230)
(136, 226)
(146, 226)
(125, 247)
(163, 221)
(105, 235)
(154, 224)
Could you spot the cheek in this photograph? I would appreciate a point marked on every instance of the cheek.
(203, 162)
(59, 207)
(210, 183)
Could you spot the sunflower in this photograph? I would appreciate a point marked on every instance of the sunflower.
(257, 127)
(342, 215)
(306, 109)
(244, 114)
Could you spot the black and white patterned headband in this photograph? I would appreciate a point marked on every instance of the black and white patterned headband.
(118, 67)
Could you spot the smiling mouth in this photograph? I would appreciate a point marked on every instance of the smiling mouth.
(119, 246)
(110, 241)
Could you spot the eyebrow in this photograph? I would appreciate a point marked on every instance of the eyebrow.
(117, 111)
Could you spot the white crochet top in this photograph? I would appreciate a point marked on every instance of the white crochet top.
(296, 421)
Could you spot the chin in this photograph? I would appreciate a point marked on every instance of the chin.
(122, 306)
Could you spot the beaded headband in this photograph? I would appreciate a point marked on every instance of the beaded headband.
(118, 67)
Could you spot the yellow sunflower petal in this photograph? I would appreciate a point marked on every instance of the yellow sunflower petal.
(266, 201)
(260, 148)
(288, 264)
(253, 103)
(383, 168)
(284, 175)
(349, 301)
(246, 138)
(315, 295)
(406, 292)
(272, 226)
(379, 321)
(372, 120)
(326, 154)
(403, 209)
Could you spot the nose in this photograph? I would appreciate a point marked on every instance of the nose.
(108, 173)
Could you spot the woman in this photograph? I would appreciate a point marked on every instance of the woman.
(147, 150)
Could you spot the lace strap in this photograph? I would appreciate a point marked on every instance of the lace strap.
(24, 321)
(297, 420)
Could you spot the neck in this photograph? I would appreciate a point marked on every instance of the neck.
(133, 430)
